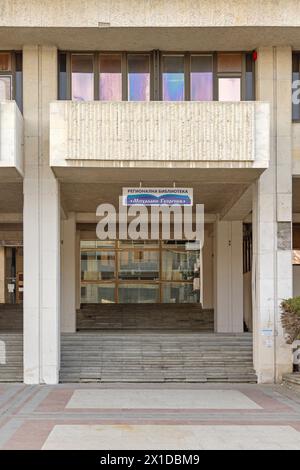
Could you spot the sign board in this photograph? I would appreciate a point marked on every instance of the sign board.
(266, 332)
(157, 196)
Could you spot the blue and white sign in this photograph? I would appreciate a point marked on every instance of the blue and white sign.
(157, 196)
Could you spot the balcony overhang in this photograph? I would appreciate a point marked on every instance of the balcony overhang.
(218, 149)
(91, 138)
(137, 38)
(11, 143)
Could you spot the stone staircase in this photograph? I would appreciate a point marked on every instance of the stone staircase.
(11, 357)
(11, 317)
(156, 356)
(144, 316)
(292, 381)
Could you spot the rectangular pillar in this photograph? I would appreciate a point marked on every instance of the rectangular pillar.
(228, 291)
(41, 221)
(69, 255)
(272, 217)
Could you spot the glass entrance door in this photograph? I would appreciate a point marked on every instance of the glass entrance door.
(138, 272)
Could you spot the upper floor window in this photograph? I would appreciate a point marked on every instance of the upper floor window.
(11, 77)
(139, 76)
(173, 78)
(201, 77)
(110, 77)
(229, 76)
(296, 87)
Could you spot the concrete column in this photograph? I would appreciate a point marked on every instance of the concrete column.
(228, 290)
(2, 275)
(41, 221)
(272, 216)
(68, 297)
(77, 270)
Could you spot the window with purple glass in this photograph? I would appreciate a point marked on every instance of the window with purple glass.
(110, 77)
(229, 71)
(173, 78)
(138, 77)
(201, 78)
(82, 77)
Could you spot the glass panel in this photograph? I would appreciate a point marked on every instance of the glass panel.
(63, 78)
(178, 265)
(97, 265)
(179, 293)
(5, 87)
(249, 91)
(19, 81)
(97, 243)
(229, 62)
(173, 78)
(138, 77)
(97, 293)
(110, 80)
(138, 243)
(296, 256)
(296, 96)
(176, 243)
(139, 264)
(5, 62)
(201, 78)
(229, 89)
(82, 77)
(138, 293)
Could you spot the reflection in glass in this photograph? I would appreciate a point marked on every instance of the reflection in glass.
(229, 89)
(5, 87)
(5, 62)
(179, 293)
(138, 293)
(138, 243)
(62, 77)
(110, 79)
(139, 264)
(97, 293)
(296, 106)
(229, 62)
(97, 265)
(82, 77)
(178, 265)
(296, 256)
(295, 88)
(173, 78)
(97, 243)
(201, 78)
(138, 77)
(249, 77)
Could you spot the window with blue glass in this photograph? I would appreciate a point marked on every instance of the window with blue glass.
(173, 78)
(155, 75)
(138, 77)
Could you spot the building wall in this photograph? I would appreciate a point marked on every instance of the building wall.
(35, 29)
(143, 13)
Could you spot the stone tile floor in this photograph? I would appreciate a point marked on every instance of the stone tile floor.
(149, 416)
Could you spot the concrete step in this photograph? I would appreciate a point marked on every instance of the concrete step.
(11, 357)
(149, 356)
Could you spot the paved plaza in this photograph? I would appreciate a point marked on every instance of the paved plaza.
(149, 416)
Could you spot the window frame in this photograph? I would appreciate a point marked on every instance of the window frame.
(295, 54)
(156, 69)
(12, 73)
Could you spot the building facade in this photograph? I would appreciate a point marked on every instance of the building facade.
(97, 96)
